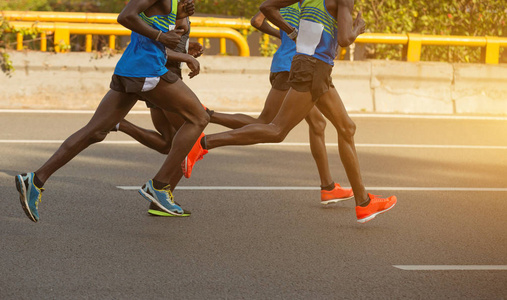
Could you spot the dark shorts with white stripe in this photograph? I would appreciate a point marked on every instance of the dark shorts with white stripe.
(138, 85)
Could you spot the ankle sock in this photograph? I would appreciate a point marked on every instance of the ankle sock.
(203, 143)
(364, 204)
(328, 187)
(37, 181)
(159, 185)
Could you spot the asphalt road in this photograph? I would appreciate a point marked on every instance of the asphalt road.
(257, 229)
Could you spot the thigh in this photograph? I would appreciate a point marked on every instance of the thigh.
(111, 110)
(272, 105)
(332, 107)
(294, 109)
(175, 97)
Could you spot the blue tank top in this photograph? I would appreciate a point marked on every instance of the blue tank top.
(145, 57)
(318, 31)
(283, 57)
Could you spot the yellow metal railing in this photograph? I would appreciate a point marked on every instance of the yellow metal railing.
(106, 24)
(62, 32)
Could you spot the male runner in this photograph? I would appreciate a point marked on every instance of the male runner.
(166, 123)
(280, 66)
(140, 72)
(324, 24)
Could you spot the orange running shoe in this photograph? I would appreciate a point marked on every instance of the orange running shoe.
(335, 195)
(377, 206)
(195, 154)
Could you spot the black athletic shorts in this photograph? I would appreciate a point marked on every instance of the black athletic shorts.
(309, 74)
(172, 69)
(279, 81)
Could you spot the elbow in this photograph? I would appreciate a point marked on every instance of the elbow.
(345, 41)
(124, 19)
(255, 22)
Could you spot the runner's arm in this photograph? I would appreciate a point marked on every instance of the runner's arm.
(259, 22)
(349, 29)
(192, 63)
(271, 9)
(129, 18)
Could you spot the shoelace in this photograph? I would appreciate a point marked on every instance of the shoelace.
(378, 199)
(39, 198)
(167, 189)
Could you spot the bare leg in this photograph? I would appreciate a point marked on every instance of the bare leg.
(271, 107)
(113, 108)
(159, 140)
(183, 102)
(331, 105)
(317, 125)
(294, 109)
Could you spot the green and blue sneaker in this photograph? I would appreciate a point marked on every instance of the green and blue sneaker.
(163, 199)
(29, 195)
(155, 211)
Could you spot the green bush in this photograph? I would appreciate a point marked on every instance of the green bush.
(448, 17)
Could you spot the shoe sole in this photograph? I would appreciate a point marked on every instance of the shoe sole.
(20, 186)
(335, 200)
(159, 213)
(151, 199)
(371, 217)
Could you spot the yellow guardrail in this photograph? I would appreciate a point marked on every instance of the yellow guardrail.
(62, 32)
(106, 24)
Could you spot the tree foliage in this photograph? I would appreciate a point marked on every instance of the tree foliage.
(446, 17)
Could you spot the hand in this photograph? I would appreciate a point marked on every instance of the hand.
(185, 8)
(195, 49)
(172, 38)
(359, 24)
(194, 66)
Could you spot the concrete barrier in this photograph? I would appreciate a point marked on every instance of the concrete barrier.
(79, 81)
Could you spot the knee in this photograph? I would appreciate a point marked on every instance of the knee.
(275, 134)
(97, 136)
(317, 127)
(348, 129)
(201, 119)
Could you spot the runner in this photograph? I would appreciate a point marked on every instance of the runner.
(166, 123)
(140, 73)
(311, 84)
(280, 66)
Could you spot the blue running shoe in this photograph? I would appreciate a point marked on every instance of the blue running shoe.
(29, 195)
(162, 198)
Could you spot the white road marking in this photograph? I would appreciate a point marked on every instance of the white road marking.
(288, 144)
(451, 267)
(312, 188)
(353, 115)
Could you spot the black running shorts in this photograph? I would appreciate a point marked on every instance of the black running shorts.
(279, 81)
(309, 74)
(138, 85)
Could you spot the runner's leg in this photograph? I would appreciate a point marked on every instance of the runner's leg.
(271, 107)
(293, 110)
(186, 104)
(113, 108)
(331, 105)
(159, 140)
(317, 126)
